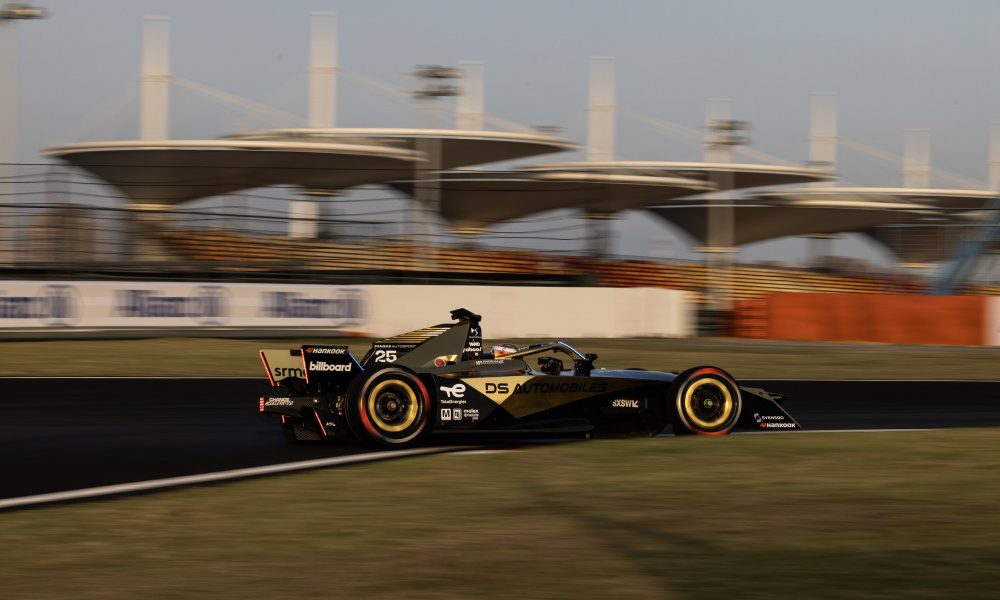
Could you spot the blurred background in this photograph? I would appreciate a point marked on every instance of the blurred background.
(181, 178)
(735, 154)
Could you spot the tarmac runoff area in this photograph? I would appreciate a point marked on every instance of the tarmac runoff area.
(71, 439)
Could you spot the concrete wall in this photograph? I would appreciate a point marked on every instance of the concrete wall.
(510, 312)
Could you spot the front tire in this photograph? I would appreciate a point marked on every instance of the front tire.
(706, 401)
(389, 408)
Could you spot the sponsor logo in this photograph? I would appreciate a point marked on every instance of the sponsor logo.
(322, 366)
(55, 305)
(623, 403)
(406, 347)
(497, 388)
(282, 372)
(569, 387)
(207, 305)
(471, 414)
(759, 417)
(346, 306)
(456, 414)
(492, 361)
(473, 342)
(455, 391)
(785, 425)
(445, 414)
(279, 402)
(326, 350)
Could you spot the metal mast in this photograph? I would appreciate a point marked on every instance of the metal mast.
(9, 14)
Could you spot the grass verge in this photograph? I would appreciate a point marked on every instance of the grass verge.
(174, 357)
(910, 514)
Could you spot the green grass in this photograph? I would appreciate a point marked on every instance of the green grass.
(844, 515)
(213, 357)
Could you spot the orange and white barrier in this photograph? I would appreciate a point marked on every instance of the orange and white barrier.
(887, 318)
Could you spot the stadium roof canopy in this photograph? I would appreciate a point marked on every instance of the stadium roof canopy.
(766, 219)
(473, 200)
(319, 160)
(929, 237)
(744, 175)
(171, 172)
(926, 241)
(958, 199)
(459, 148)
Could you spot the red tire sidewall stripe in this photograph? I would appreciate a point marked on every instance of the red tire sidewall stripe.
(363, 408)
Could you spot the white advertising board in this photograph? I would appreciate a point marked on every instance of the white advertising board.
(373, 310)
(141, 304)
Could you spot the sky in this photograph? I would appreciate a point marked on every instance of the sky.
(893, 65)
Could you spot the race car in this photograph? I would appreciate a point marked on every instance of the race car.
(439, 380)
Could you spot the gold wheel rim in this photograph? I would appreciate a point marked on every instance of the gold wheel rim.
(727, 404)
(411, 410)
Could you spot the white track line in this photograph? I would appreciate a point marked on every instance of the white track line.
(887, 430)
(170, 482)
(794, 431)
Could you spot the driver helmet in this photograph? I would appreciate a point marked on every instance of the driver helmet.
(502, 350)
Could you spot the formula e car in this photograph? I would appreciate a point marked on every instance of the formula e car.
(439, 380)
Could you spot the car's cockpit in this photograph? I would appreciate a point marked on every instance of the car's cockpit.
(550, 364)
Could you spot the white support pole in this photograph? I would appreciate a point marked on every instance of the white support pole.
(8, 138)
(323, 70)
(303, 219)
(471, 101)
(916, 158)
(994, 181)
(305, 213)
(719, 149)
(601, 109)
(823, 132)
(154, 112)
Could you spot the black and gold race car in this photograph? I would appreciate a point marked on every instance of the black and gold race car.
(439, 380)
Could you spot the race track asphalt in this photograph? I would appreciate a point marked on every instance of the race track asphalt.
(68, 433)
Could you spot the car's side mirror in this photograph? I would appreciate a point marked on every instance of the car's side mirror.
(582, 367)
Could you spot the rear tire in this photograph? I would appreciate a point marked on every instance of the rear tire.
(389, 408)
(706, 401)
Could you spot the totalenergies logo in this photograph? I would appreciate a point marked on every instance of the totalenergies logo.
(54, 305)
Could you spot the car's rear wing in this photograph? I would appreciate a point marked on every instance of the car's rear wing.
(282, 363)
(313, 365)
